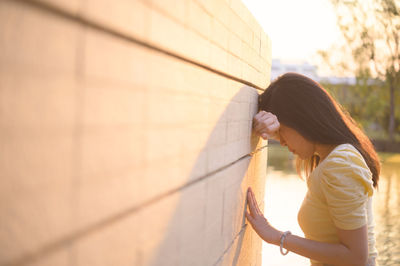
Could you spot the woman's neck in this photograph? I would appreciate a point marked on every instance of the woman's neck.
(323, 150)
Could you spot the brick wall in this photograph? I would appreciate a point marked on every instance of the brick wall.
(126, 132)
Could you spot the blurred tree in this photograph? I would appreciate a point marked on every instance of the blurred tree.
(371, 30)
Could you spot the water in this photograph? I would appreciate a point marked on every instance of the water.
(285, 192)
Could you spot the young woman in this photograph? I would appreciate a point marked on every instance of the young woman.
(341, 169)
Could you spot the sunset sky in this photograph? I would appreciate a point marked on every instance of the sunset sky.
(297, 28)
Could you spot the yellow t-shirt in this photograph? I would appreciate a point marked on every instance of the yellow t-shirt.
(339, 195)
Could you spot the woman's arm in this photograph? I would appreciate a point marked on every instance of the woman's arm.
(352, 249)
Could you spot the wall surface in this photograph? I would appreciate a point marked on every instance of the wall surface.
(125, 132)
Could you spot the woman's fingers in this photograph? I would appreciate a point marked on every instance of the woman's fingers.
(252, 202)
(253, 210)
(259, 212)
(275, 126)
(255, 203)
(265, 124)
(261, 116)
(249, 217)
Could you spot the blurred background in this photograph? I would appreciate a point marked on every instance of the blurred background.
(352, 49)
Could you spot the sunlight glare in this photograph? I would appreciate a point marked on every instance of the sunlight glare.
(297, 29)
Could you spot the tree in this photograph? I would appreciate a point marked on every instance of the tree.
(371, 30)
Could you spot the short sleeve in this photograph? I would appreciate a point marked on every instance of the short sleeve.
(346, 183)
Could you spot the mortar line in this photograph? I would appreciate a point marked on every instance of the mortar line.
(230, 244)
(115, 33)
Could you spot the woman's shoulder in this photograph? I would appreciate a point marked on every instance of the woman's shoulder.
(346, 167)
(345, 154)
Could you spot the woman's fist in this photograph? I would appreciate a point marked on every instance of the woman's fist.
(266, 125)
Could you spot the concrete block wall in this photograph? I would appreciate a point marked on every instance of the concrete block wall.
(126, 132)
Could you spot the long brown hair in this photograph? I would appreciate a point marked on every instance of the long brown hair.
(304, 105)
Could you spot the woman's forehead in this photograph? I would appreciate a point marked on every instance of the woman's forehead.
(283, 127)
(286, 130)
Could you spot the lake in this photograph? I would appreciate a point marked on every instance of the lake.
(285, 191)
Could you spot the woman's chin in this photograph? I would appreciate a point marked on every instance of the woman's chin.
(303, 156)
(300, 155)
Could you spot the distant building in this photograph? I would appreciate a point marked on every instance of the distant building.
(338, 80)
(278, 68)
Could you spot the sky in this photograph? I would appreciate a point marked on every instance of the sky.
(297, 29)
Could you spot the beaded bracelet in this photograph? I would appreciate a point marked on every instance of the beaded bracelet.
(283, 236)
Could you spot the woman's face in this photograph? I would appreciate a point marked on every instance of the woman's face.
(295, 142)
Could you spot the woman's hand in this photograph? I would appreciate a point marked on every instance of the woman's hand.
(266, 125)
(259, 223)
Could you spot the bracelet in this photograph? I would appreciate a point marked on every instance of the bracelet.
(283, 236)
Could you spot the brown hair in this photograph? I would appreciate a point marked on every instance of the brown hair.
(302, 104)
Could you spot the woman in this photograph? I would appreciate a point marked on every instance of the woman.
(341, 168)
